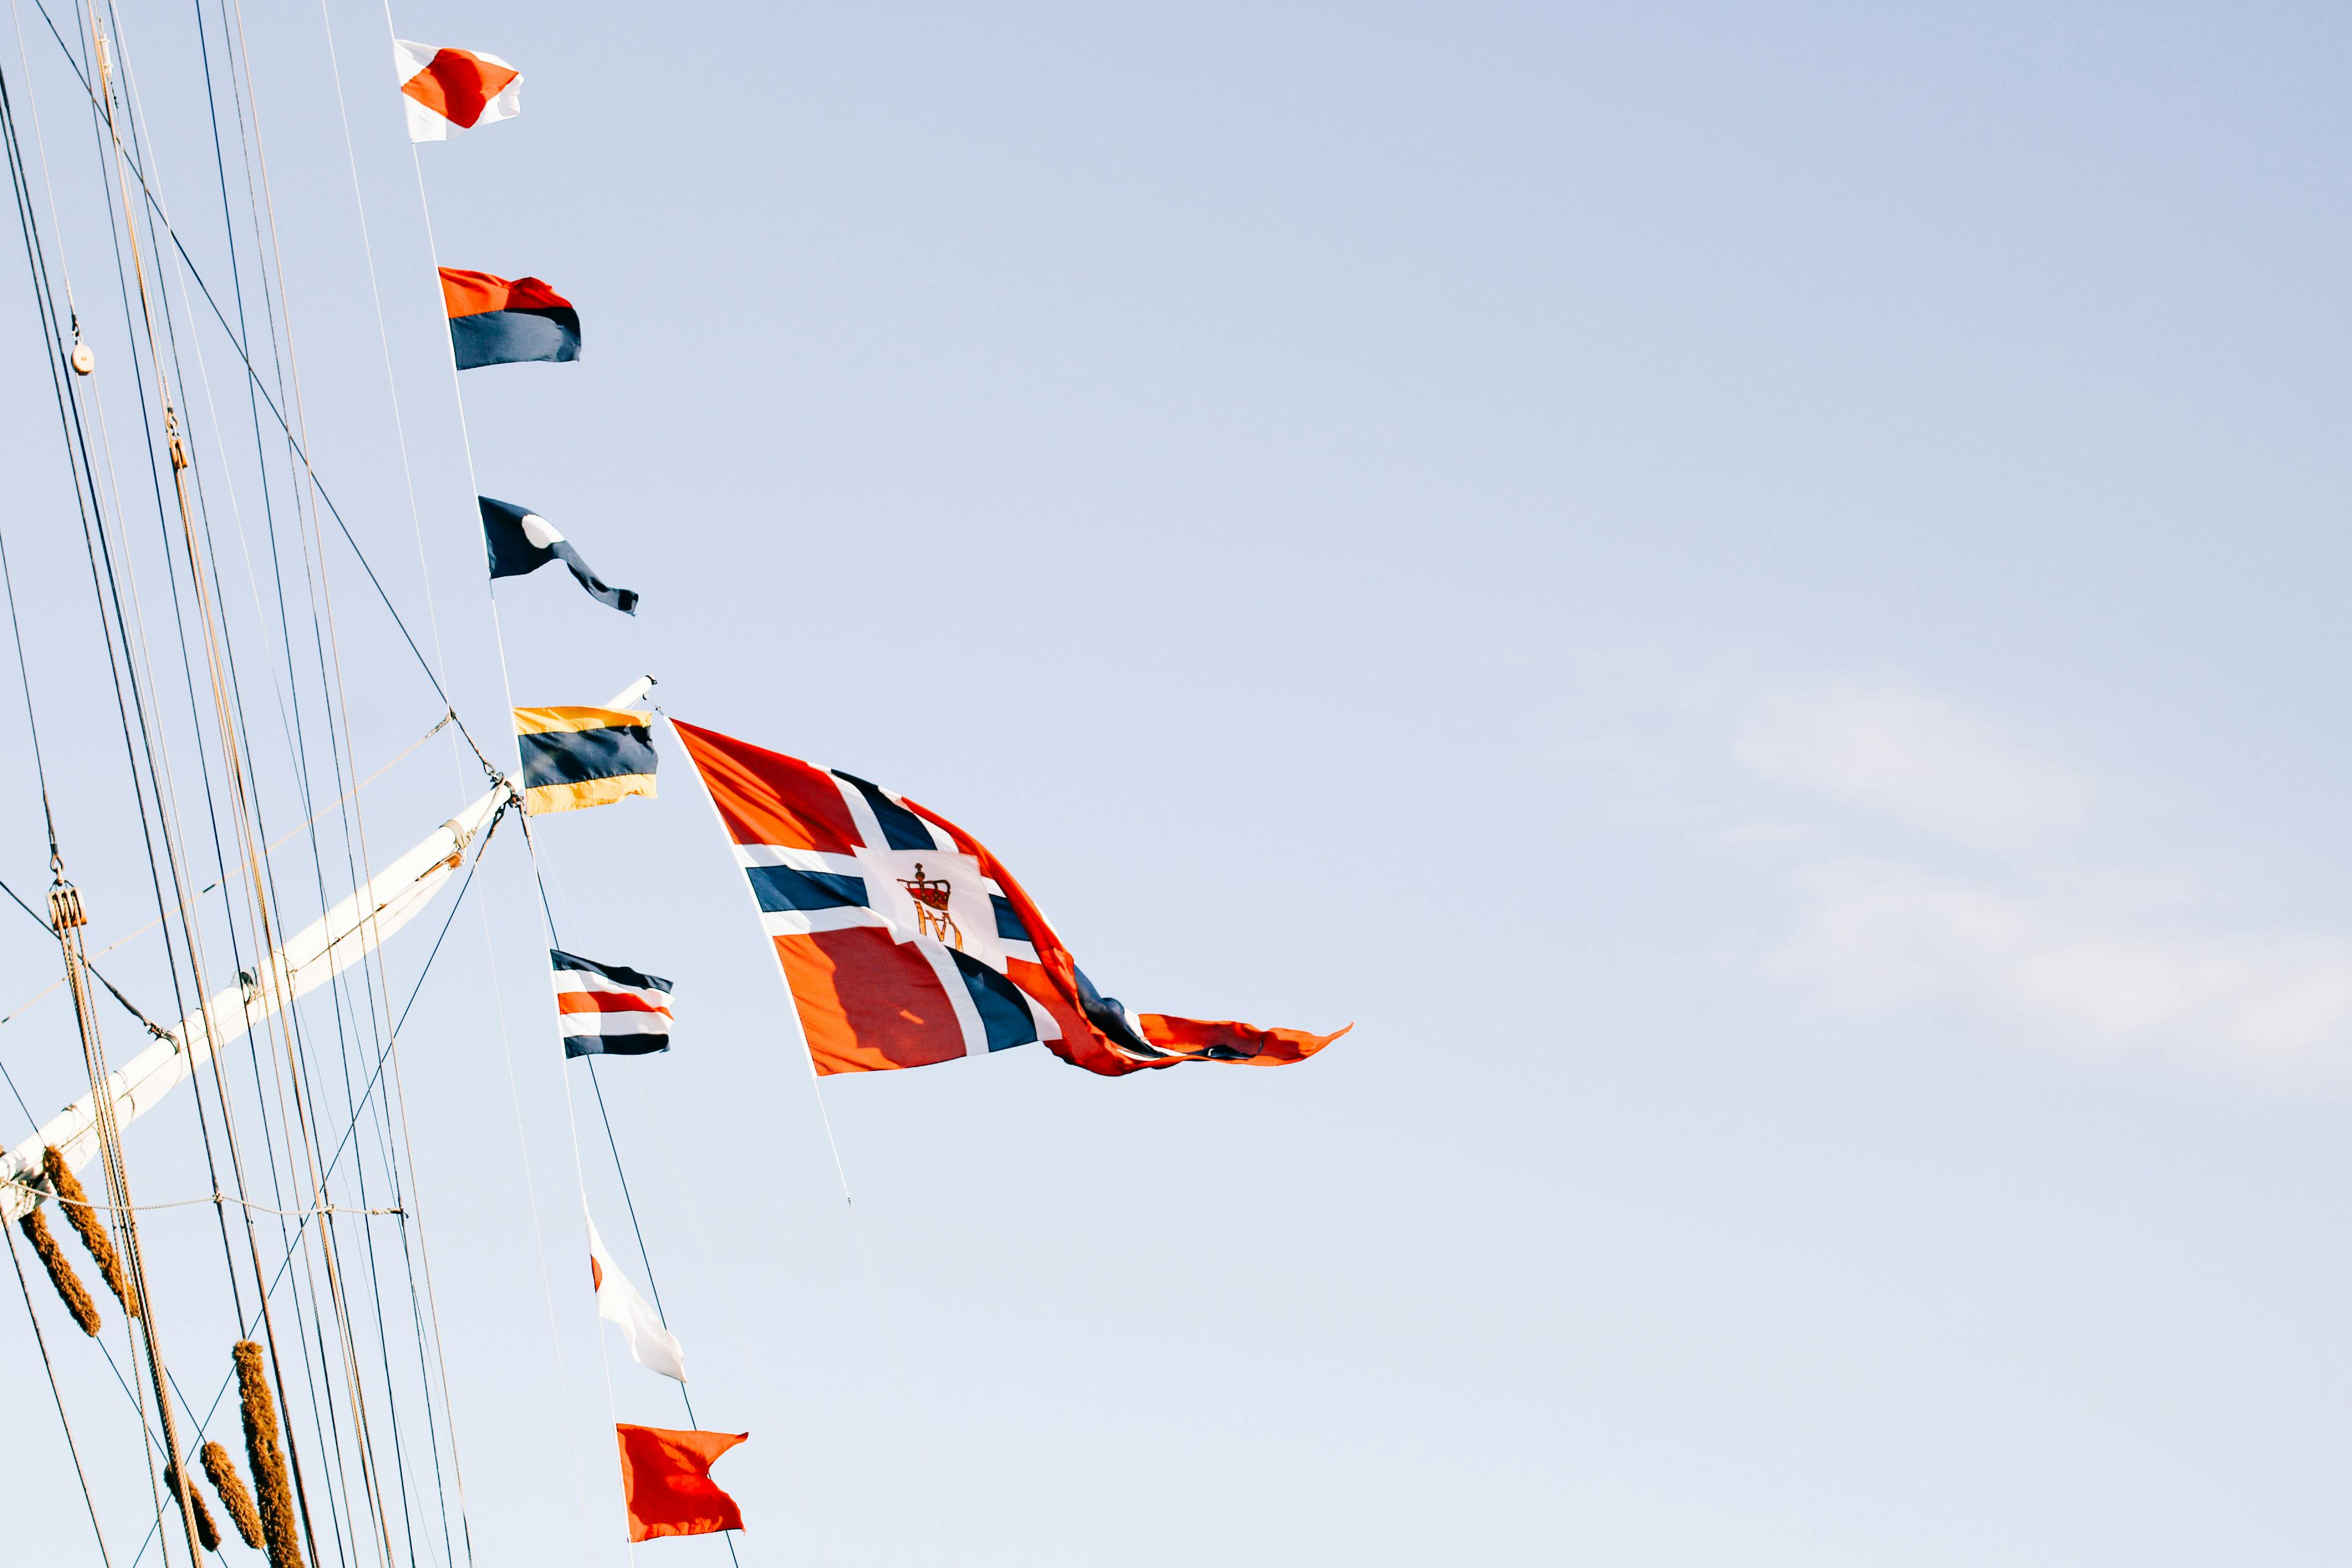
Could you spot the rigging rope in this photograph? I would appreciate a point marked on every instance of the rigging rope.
(131, 671)
(24, 677)
(50, 1367)
(107, 122)
(302, 1119)
(44, 306)
(70, 411)
(247, 1325)
(628, 1199)
(129, 1007)
(297, 444)
(127, 668)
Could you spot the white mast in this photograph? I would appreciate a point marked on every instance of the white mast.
(351, 931)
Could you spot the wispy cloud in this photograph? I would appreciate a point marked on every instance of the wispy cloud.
(2093, 976)
(1936, 865)
(1915, 760)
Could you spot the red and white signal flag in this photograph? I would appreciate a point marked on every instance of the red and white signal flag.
(617, 1301)
(449, 90)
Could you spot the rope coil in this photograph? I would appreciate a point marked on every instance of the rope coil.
(234, 1496)
(77, 1209)
(206, 1530)
(261, 1456)
(70, 1290)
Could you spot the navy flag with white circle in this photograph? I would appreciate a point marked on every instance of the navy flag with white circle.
(520, 542)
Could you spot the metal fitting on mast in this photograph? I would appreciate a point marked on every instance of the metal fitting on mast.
(66, 912)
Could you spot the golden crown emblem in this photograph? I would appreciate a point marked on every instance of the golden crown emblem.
(931, 916)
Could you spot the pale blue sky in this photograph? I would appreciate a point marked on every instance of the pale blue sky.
(1754, 592)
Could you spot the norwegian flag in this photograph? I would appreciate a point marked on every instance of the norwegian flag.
(906, 943)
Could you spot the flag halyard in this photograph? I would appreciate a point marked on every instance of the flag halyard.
(651, 1344)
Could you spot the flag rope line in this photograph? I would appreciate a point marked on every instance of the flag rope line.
(858, 1236)
(628, 1199)
(805, 1501)
(506, 686)
(545, 873)
(604, 1350)
(506, 682)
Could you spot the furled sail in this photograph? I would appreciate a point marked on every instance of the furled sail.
(321, 951)
(329, 945)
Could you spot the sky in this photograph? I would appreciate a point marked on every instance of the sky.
(1748, 592)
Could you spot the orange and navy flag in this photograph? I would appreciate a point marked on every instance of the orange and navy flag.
(449, 90)
(507, 320)
(906, 943)
(577, 757)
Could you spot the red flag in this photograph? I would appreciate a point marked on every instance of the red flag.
(665, 1477)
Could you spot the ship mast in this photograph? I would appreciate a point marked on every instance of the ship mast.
(338, 1359)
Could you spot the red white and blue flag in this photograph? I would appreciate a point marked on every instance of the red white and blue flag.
(449, 90)
(906, 943)
(608, 1010)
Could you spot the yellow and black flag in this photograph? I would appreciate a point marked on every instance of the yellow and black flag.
(576, 757)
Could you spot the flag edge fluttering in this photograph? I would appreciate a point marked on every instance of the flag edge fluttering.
(1150, 1040)
(731, 1514)
(429, 121)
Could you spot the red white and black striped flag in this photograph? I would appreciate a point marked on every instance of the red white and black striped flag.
(608, 1010)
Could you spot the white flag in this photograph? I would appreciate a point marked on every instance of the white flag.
(617, 1301)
